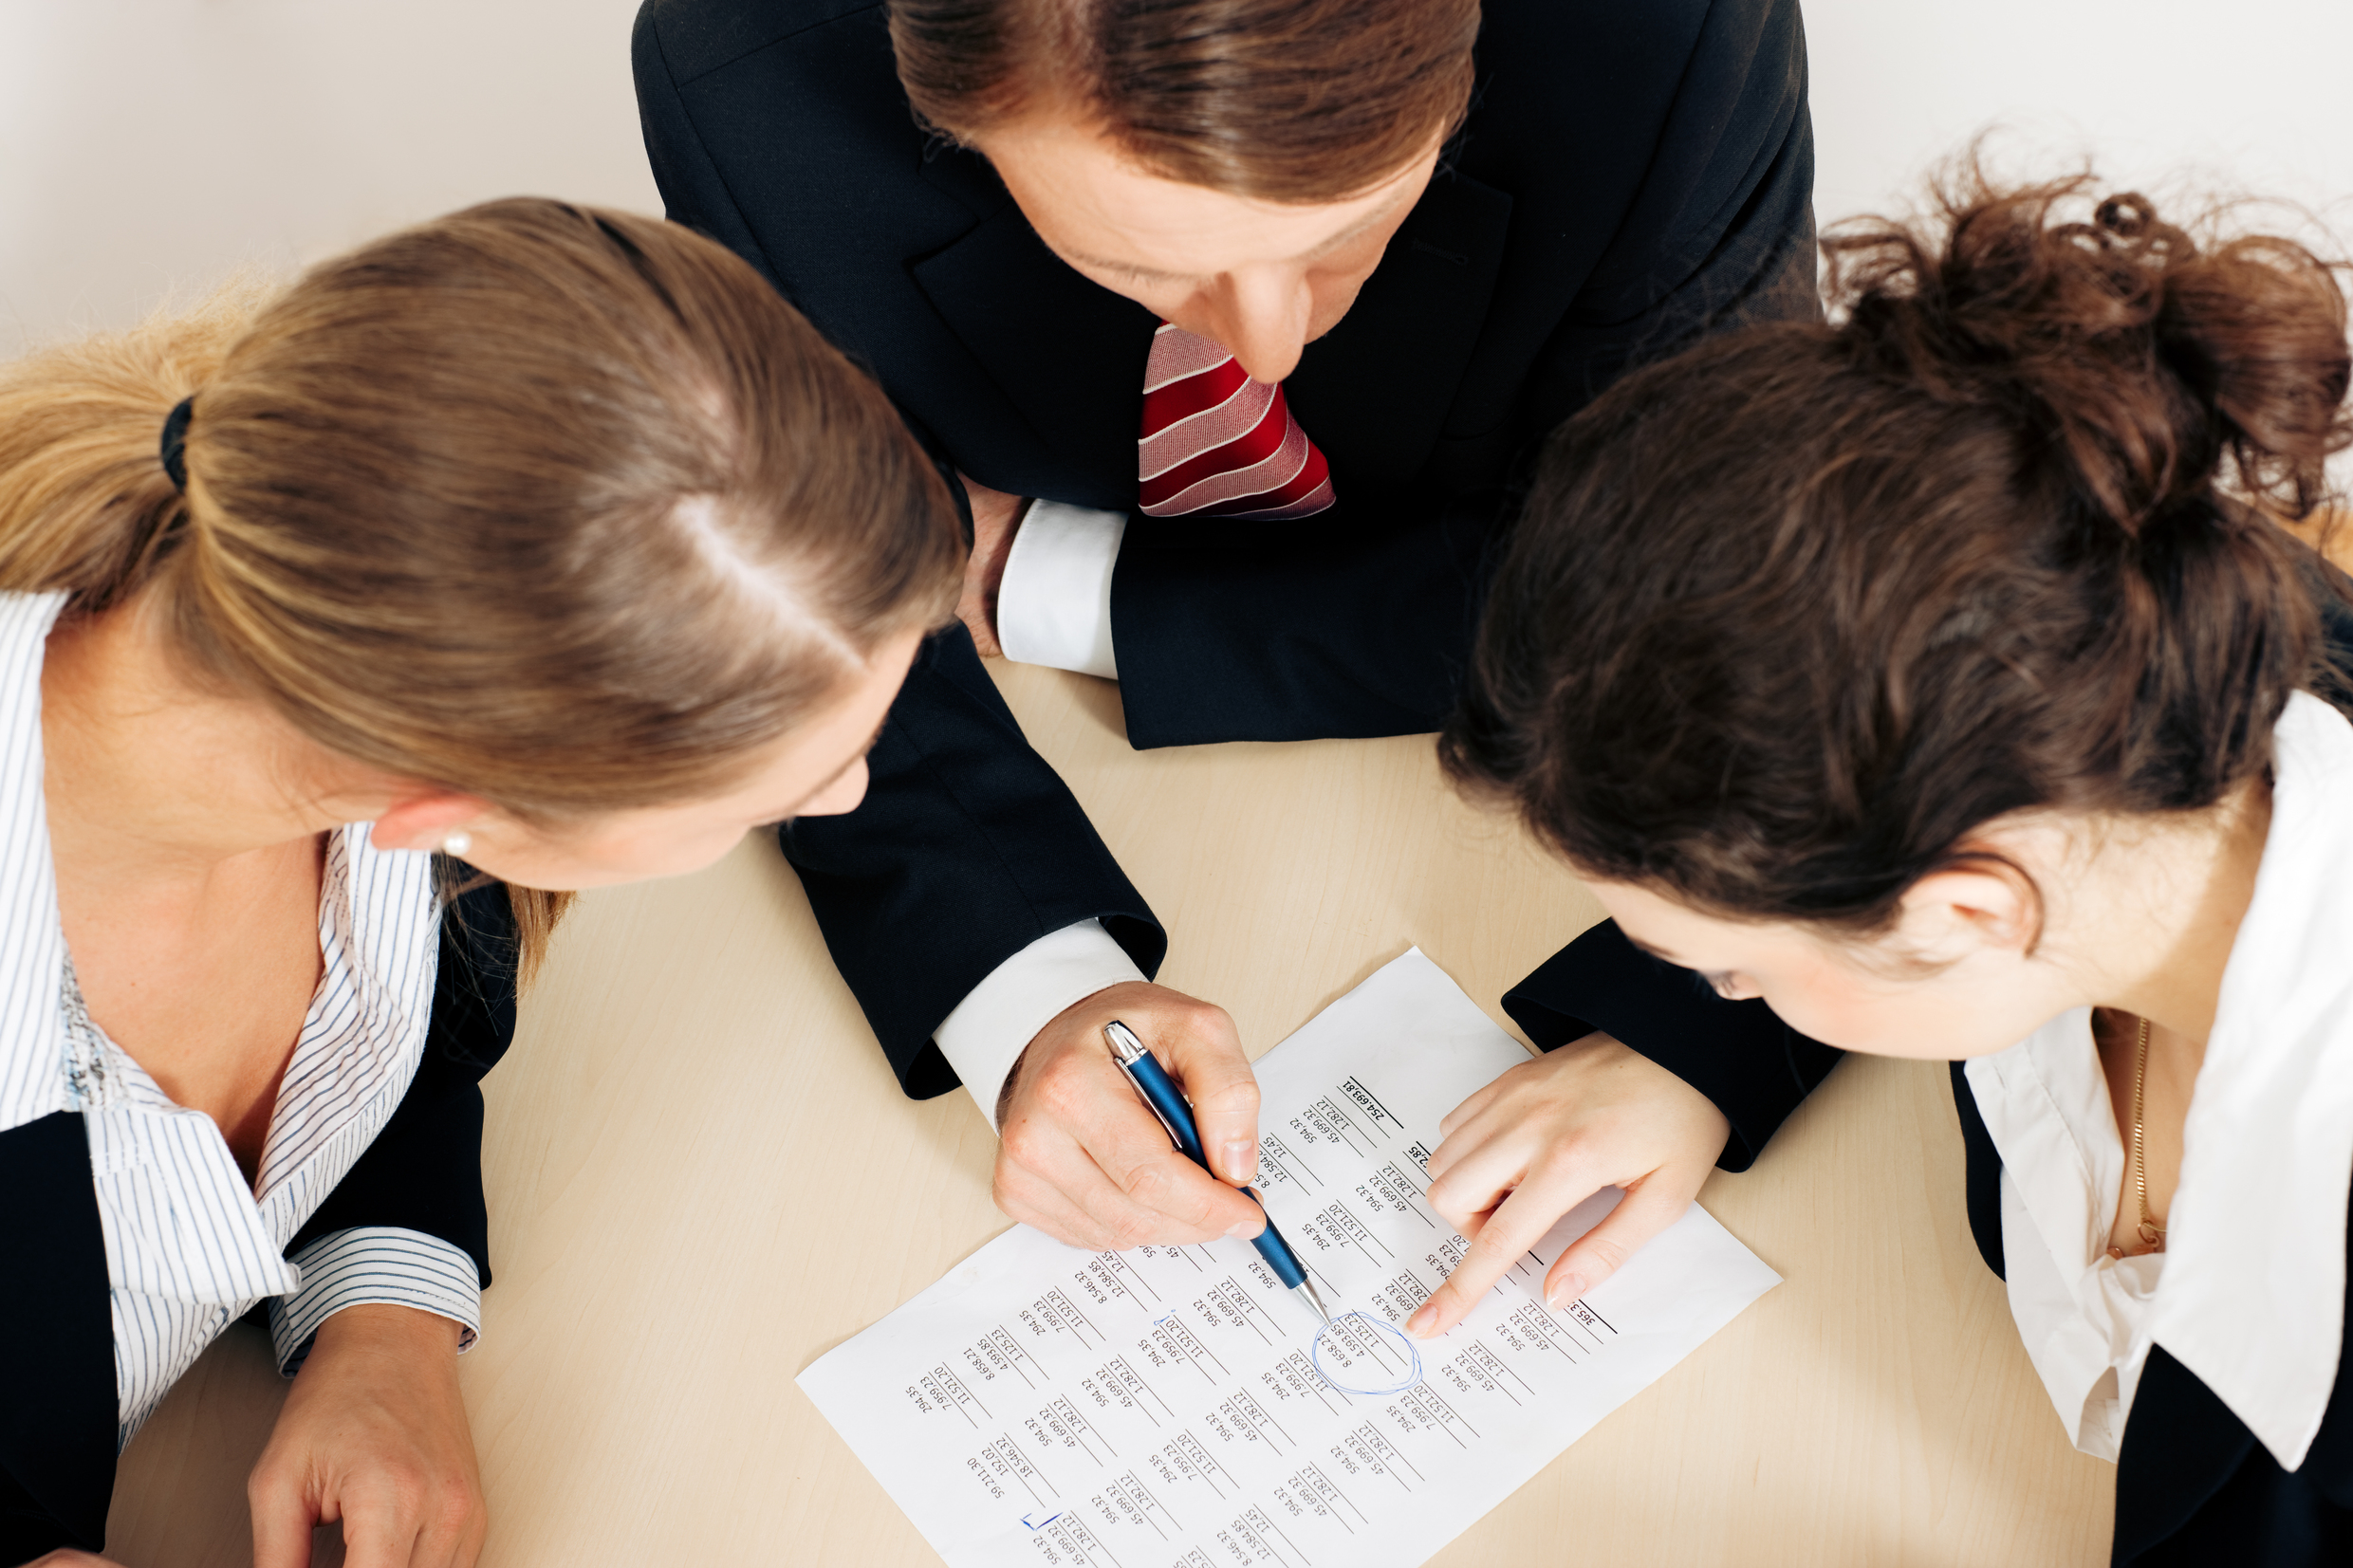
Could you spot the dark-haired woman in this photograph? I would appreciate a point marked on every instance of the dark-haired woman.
(1942, 679)
(534, 544)
(1264, 303)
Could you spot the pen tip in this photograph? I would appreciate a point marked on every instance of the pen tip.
(1316, 1301)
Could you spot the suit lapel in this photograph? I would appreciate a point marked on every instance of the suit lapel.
(58, 1421)
(1373, 392)
(1067, 354)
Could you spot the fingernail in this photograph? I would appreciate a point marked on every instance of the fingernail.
(1570, 1287)
(1241, 1161)
(1419, 1324)
(1242, 1230)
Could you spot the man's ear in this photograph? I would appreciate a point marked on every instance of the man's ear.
(422, 817)
(1983, 902)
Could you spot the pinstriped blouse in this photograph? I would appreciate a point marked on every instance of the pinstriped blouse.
(190, 1246)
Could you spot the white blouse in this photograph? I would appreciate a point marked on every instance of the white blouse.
(2249, 1293)
(190, 1246)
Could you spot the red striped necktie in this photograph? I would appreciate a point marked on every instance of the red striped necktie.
(1219, 443)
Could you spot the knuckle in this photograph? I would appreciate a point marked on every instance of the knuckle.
(1195, 1016)
(1150, 1184)
(1064, 1090)
(1133, 1231)
(268, 1483)
(1609, 1251)
(1024, 1144)
(1560, 1161)
(454, 1504)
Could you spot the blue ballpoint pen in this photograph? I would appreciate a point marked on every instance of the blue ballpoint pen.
(1167, 1103)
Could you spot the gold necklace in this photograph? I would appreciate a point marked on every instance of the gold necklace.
(2152, 1234)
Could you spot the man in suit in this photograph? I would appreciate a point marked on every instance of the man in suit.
(1394, 243)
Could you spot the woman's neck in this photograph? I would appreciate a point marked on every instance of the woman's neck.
(2155, 919)
(153, 782)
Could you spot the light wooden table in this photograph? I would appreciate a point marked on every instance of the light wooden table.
(702, 1177)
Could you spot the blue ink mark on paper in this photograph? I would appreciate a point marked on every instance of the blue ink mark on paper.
(1040, 1524)
(1375, 1367)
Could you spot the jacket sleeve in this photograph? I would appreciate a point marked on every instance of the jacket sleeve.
(1754, 1066)
(967, 848)
(424, 1171)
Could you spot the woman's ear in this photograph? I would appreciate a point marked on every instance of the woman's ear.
(423, 817)
(1984, 903)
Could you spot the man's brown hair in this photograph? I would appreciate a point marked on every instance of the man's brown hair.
(1291, 101)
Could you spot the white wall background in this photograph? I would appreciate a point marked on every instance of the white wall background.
(145, 143)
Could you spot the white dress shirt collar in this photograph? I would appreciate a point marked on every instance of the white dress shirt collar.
(2249, 1293)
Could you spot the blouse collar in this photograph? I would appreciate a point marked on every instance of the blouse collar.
(2251, 1293)
(2253, 1300)
(33, 944)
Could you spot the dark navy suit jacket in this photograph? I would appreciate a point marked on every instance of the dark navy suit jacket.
(1630, 175)
(58, 1404)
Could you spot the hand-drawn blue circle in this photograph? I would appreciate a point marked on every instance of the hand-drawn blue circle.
(1387, 1337)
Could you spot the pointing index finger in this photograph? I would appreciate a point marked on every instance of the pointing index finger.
(1517, 1224)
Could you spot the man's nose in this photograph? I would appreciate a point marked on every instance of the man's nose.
(1262, 321)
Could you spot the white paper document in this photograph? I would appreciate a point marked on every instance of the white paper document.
(1178, 1408)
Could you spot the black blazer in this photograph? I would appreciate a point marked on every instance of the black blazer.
(1629, 176)
(59, 1410)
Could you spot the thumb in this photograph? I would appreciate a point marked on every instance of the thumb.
(1207, 1058)
(1642, 1213)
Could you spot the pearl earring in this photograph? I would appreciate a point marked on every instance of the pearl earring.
(456, 844)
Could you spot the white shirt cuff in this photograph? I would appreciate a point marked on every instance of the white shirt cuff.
(1054, 601)
(992, 1026)
(374, 1265)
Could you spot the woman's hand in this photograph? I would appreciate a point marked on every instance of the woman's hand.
(1547, 1135)
(996, 518)
(374, 1434)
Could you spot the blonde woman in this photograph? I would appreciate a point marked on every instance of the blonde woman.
(533, 548)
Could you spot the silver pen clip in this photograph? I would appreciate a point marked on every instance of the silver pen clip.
(1127, 1050)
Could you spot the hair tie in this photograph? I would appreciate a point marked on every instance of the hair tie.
(175, 448)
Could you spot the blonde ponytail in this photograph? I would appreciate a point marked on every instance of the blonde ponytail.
(564, 509)
(84, 503)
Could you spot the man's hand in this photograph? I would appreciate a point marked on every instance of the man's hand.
(373, 1434)
(1547, 1135)
(1086, 1163)
(65, 1556)
(996, 518)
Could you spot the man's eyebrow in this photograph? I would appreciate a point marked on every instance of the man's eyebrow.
(1334, 243)
(1106, 265)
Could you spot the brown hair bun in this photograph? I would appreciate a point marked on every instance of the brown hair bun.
(1792, 615)
(2151, 365)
